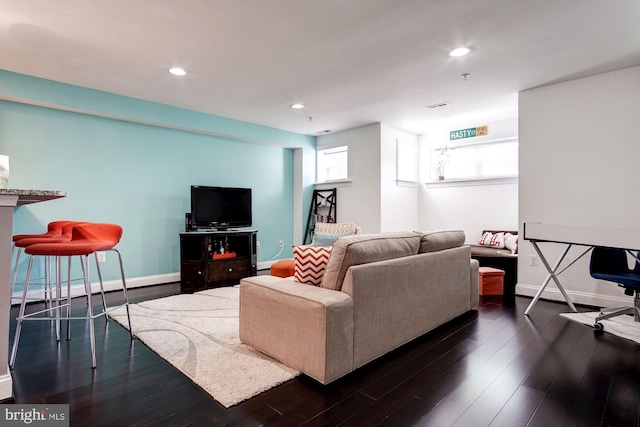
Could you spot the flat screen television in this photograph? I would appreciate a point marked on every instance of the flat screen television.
(220, 207)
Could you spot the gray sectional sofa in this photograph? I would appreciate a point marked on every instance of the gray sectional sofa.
(379, 292)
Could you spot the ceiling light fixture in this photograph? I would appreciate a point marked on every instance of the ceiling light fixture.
(459, 51)
(297, 106)
(176, 71)
(440, 105)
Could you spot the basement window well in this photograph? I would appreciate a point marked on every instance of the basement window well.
(475, 161)
(332, 164)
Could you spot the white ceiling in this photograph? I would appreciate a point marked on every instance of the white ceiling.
(351, 62)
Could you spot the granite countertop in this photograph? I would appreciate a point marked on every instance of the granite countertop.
(32, 196)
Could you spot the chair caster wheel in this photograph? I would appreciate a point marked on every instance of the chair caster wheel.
(598, 326)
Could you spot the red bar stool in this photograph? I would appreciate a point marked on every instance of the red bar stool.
(55, 230)
(49, 296)
(86, 239)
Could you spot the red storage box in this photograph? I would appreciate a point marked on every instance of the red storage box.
(491, 281)
(216, 255)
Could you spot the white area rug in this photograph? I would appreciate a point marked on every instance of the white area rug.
(199, 334)
(622, 326)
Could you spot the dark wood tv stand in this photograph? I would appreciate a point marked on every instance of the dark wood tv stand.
(202, 266)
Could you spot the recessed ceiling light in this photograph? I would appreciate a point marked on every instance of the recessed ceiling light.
(177, 71)
(459, 51)
(440, 105)
(297, 106)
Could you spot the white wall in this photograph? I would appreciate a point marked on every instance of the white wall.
(374, 200)
(359, 200)
(468, 206)
(471, 208)
(399, 202)
(579, 156)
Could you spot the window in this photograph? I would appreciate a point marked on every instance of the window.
(491, 159)
(333, 164)
(406, 162)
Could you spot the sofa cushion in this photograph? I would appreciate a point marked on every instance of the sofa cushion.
(310, 263)
(366, 248)
(433, 241)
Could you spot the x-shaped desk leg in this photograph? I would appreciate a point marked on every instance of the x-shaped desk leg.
(552, 275)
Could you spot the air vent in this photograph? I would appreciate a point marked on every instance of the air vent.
(433, 106)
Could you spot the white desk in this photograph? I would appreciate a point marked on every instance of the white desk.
(571, 235)
(9, 199)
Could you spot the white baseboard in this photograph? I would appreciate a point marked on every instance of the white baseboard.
(6, 386)
(111, 285)
(265, 265)
(554, 294)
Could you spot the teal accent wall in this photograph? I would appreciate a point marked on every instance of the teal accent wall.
(137, 174)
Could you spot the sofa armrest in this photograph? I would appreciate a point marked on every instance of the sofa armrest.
(305, 327)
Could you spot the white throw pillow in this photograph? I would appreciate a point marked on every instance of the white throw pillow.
(511, 242)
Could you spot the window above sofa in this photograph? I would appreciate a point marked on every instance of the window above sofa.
(496, 159)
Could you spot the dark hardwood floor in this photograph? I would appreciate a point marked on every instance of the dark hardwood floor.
(493, 366)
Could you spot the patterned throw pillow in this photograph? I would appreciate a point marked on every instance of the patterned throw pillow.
(484, 240)
(494, 240)
(309, 263)
(335, 228)
(324, 228)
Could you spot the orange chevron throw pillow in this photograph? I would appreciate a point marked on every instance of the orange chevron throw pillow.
(309, 263)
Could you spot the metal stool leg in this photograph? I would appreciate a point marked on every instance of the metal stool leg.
(124, 291)
(68, 298)
(58, 298)
(104, 301)
(92, 332)
(15, 273)
(16, 339)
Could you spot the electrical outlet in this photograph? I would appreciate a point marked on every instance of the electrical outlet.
(102, 256)
(533, 260)
(281, 244)
(258, 244)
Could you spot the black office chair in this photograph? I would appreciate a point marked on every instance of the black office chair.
(611, 265)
